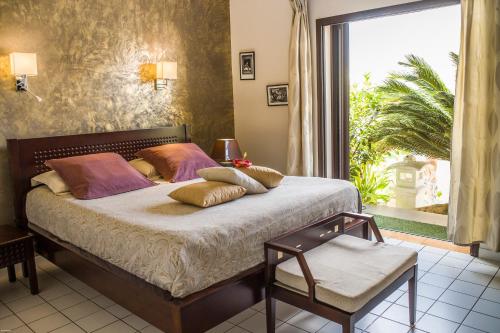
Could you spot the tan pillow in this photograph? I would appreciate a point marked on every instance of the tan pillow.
(232, 176)
(266, 176)
(145, 168)
(206, 194)
(52, 180)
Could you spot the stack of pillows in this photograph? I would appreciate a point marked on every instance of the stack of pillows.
(99, 175)
(226, 184)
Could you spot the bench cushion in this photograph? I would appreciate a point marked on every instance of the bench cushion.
(348, 271)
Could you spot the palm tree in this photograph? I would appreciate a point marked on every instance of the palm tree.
(418, 111)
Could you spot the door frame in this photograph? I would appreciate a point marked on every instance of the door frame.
(340, 104)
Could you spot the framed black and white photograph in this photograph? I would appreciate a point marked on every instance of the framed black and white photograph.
(277, 94)
(247, 65)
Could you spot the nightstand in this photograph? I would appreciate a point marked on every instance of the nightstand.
(16, 246)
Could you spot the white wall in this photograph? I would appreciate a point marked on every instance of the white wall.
(264, 27)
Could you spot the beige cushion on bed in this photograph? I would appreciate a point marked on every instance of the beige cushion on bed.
(268, 177)
(145, 168)
(52, 180)
(348, 271)
(232, 176)
(206, 194)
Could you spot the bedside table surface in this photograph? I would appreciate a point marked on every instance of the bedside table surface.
(9, 233)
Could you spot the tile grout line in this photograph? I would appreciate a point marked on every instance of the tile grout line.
(479, 298)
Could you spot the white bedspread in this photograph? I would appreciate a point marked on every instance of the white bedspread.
(182, 248)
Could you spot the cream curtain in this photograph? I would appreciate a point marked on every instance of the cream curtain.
(300, 136)
(474, 211)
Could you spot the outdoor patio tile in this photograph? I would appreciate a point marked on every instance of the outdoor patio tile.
(487, 307)
(433, 324)
(482, 322)
(429, 291)
(453, 262)
(400, 314)
(473, 277)
(448, 311)
(308, 321)
(423, 303)
(491, 294)
(444, 270)
(437, 280)
(383, 325)
(459, 299)
(379, 309)
(482, 268)
(467, 288)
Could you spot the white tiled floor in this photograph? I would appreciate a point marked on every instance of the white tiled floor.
(457, 294)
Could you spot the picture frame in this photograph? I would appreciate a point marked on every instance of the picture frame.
(247, 65)
(277, 94)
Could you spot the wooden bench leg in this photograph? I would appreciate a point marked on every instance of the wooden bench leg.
(11, 270)
(270, 313)
(412, 295)
(348, 326)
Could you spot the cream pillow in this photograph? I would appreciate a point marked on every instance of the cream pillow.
(232, 176)
(206, 194)
(52, 180)
(145, 168)
(266, 176)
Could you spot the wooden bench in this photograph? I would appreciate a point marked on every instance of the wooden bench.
(320, 269)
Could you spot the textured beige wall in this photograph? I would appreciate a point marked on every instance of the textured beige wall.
(92, 74)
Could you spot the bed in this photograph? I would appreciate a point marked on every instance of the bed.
(167, 262)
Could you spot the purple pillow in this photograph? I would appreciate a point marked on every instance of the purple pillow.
(98, 175)
(177, 162)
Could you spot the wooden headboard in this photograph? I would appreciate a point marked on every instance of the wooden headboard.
(27, 156)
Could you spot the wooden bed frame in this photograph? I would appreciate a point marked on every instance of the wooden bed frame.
(197, 312)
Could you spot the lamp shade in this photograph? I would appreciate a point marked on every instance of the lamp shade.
(166, 70)
(23, 64)
(226, 150)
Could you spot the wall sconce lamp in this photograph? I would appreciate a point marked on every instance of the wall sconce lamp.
(165, 70)
(23, 65)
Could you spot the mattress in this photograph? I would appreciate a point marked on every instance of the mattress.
(182, 248)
